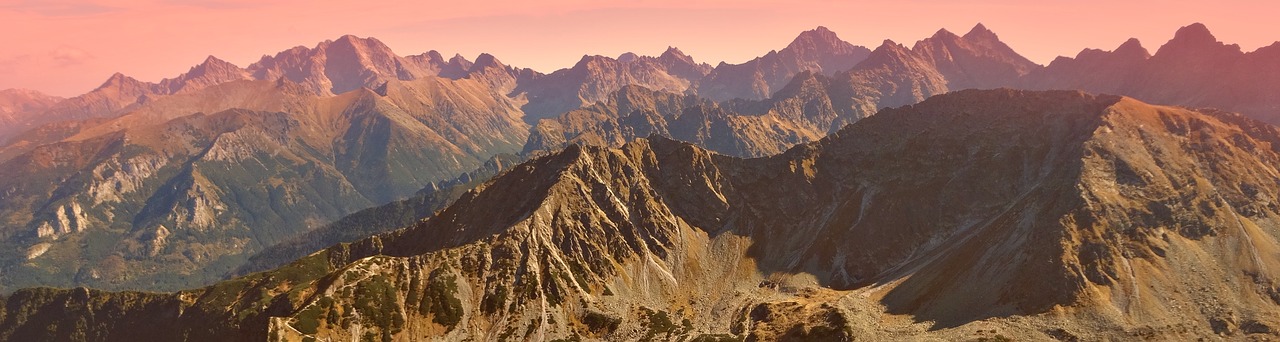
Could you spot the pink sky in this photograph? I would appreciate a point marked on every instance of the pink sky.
(67, 47)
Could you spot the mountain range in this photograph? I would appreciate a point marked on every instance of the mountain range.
(974, 215)
(180, 183)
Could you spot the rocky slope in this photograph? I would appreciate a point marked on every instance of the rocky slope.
(975, 215)
(163, 198)
(376, 220)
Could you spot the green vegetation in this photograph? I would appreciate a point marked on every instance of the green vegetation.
(659, 325)
(507, 333)
(308, 321)
(440, 300)
(716, 338)
(532, 325)
(600, 323)
(996, 338)
(377, 303)
(493, 302)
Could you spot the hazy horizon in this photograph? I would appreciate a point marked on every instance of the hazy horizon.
(70, 47)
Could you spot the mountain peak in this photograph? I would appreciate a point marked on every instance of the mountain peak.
(212, 60)
(461, 62)
(349, 38)
(364, 46)
(435, 56)
(820, 38)
(888, 53)
(943, 33)
(486, 60)
(1132, 47)
(673, 52)
(628, 57)
(889, 44)
(1195, 33)
(588, 60)
(980, 31)
(458, 57)
(1196, 39)
(118, 79)
(213, 63)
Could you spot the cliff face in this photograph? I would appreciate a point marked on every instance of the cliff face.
(1035, 214)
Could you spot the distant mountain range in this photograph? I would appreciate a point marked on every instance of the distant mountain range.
(176, 184)
(974, 215)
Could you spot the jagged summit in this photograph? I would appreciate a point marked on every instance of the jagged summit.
(673, 52)
(628, 57)
(119, 79)
(212, 71)
(981, 31)
(485, 60)
(587, 60)
(434, 55)
(1194, 33)
(213, 60)
(977, 60)
(943, 33)
(818, 38)
(460, 63)
(888, 52)
(1132, 47)
(1196, 41)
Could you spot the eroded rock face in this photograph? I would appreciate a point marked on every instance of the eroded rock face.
(977, 214)
(66, 219)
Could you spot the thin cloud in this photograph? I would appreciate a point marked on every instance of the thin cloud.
(66, 56)
(224, 4)
(59, 8)
(11, 65)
